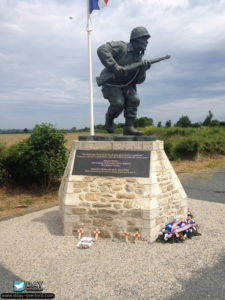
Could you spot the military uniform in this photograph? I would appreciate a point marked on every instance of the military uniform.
(121, 98)
(121, 91)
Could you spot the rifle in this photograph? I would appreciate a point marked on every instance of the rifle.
(106, 77)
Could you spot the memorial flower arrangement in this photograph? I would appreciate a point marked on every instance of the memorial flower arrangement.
(179, 230)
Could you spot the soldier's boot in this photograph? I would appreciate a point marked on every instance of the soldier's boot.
(129, 129)
(109, 126)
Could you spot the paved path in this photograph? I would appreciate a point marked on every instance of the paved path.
(205, 185)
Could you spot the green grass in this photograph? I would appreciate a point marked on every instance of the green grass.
(29, 202)
(186, 143)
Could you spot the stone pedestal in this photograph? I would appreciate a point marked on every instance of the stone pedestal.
(115, 204)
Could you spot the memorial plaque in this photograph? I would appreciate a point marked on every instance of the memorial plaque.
(112, 163)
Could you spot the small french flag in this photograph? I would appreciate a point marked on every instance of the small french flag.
(97, 4)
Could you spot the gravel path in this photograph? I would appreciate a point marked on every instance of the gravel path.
(32, 247)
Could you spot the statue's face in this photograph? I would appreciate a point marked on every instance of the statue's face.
(141, 43)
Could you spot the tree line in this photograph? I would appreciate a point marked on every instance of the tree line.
(184, 121)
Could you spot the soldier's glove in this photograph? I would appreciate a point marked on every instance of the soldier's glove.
(145, 65)
(118, 70)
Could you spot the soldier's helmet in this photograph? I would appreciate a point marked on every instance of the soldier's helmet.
(138, 32)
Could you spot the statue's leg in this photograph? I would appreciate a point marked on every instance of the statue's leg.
(117, 101)
(130, 112)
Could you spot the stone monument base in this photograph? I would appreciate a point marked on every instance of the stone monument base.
(120, 186)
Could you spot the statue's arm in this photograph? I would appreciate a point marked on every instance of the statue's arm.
(107, 54)
(142, 71)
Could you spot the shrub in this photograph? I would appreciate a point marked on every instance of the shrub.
(3, 171)
(164, 133)
(168, 147)
(186, 148)
(40, 159)
(212, 140)
(213, 146)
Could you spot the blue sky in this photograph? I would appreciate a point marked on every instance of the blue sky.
(44, 69)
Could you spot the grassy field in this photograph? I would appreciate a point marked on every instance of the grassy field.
(13, 138)
(16, 201)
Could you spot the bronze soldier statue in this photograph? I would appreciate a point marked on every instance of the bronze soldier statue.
(124, 69)
(120, 89)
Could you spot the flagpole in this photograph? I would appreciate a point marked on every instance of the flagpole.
(89, 29)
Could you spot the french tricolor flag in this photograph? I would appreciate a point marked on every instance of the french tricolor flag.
(97, 4)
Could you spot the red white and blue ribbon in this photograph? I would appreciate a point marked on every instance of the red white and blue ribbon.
(97, 4)
(179, 229)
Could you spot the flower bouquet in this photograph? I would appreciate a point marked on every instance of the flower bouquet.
(179, 230)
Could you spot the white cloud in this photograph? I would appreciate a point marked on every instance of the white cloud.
(195, 108)
(43, 58)
(215, 87)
